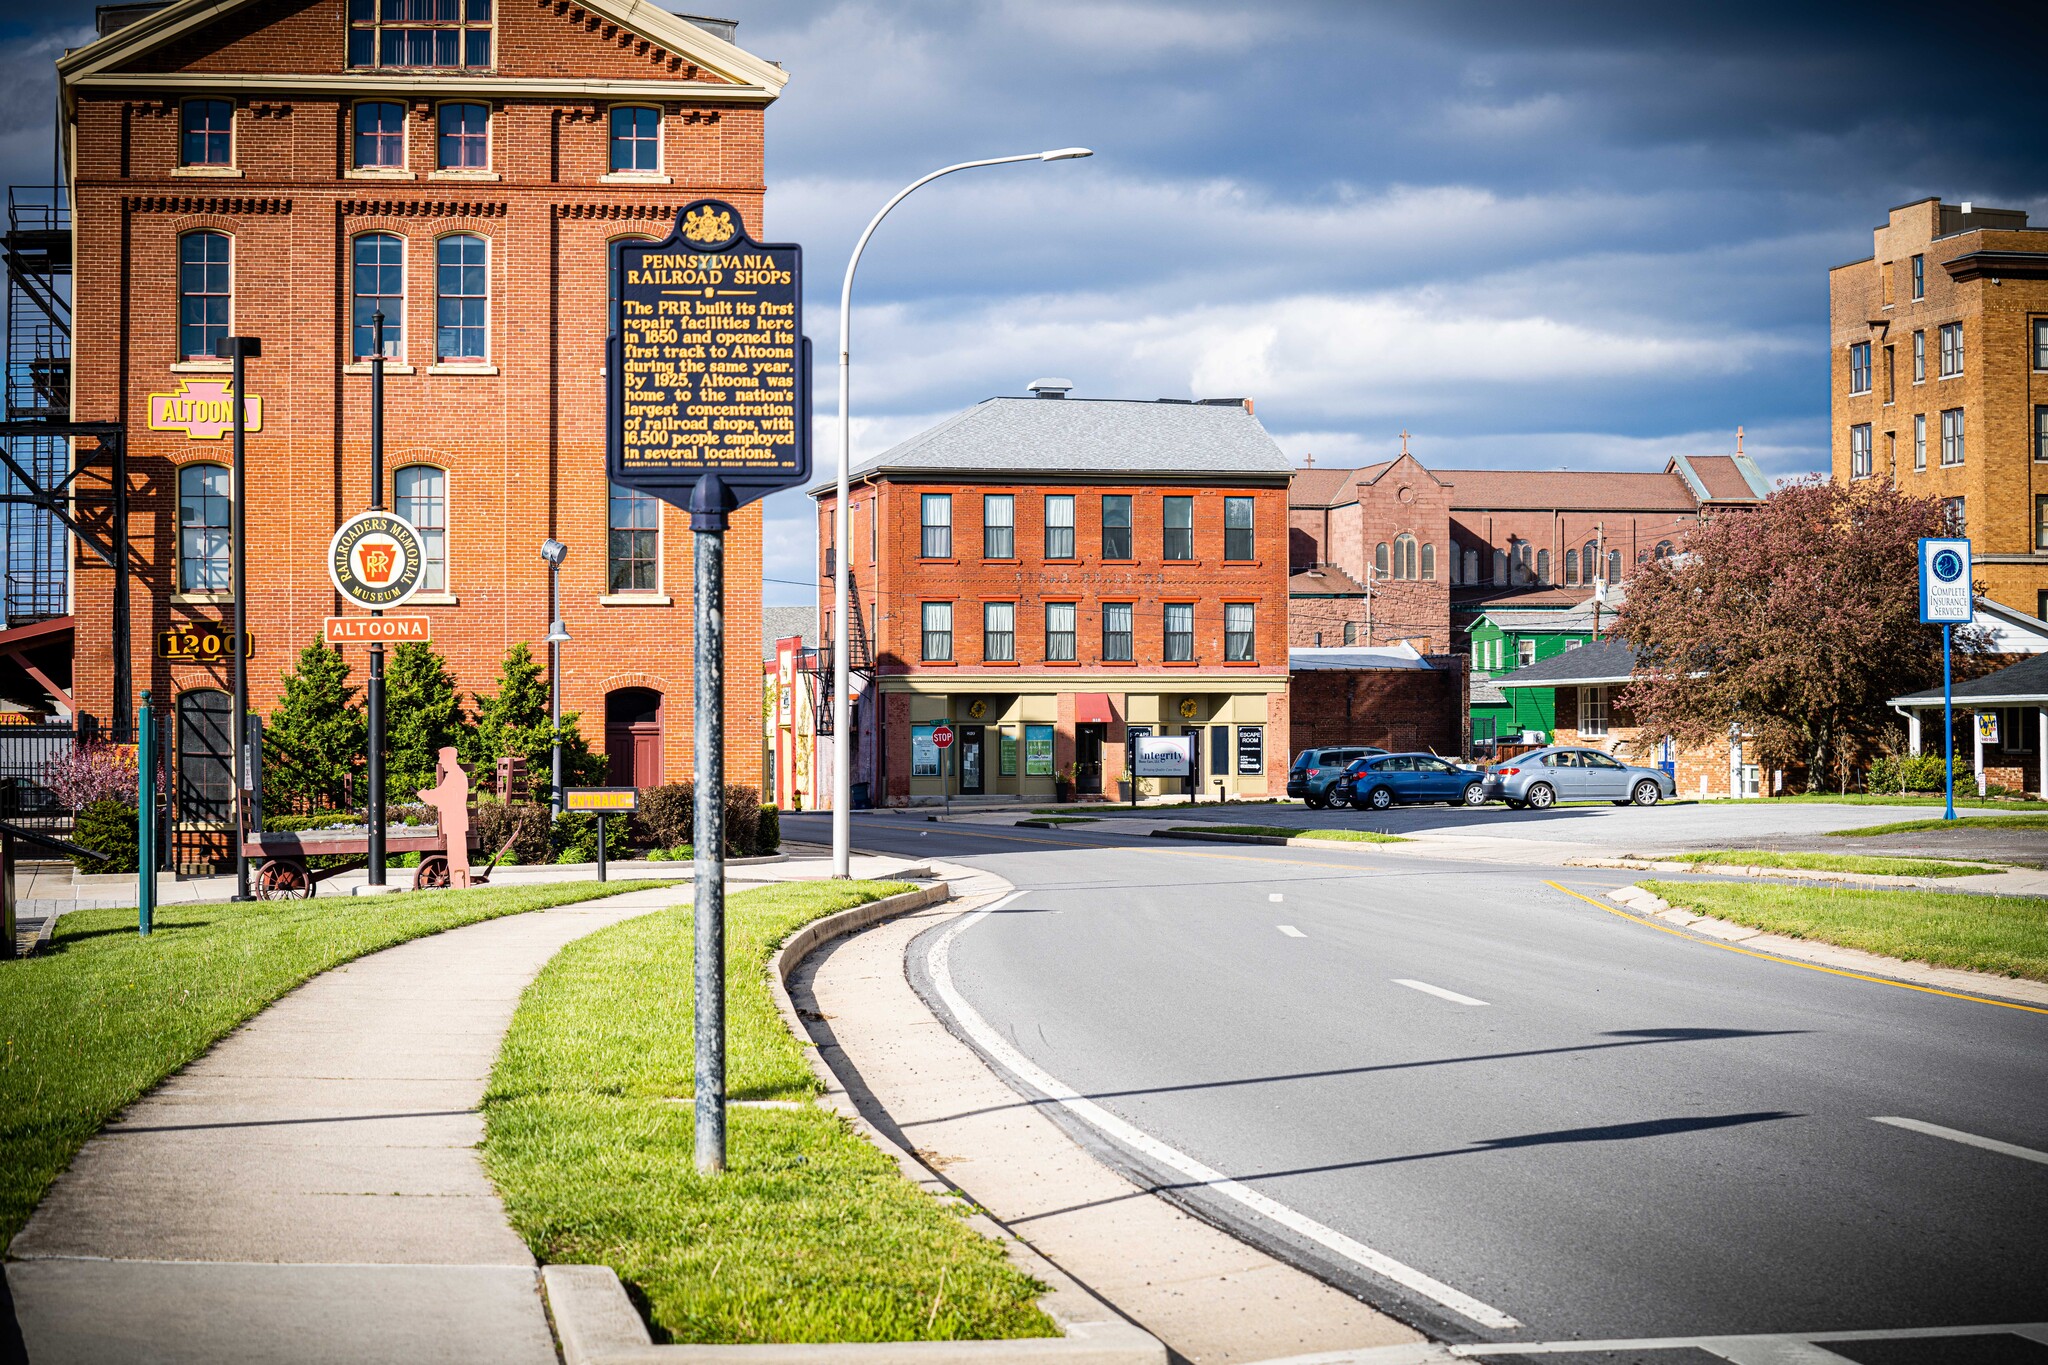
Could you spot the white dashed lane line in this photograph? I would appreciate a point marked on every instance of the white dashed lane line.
(1967, 1139)
(1291, 931)
(1438, 991)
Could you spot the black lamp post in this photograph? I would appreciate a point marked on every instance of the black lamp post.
(237, 350)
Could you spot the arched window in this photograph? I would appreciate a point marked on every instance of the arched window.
(636, 139)
(206, 133)
(1614, 566)
(1518, 562)
(205, 563)
(205, 294)
(378, 277)
(1500, 567)
(1429, 561)
(462, 299)
(205, 755)
(1471, 566)
(1543, 567)
(1380, 559)
(380, 135)
(1404, 556)
(465, 141)
(1663, 549)
(1454, 562)
(420, 495)
(1592, 560)
(1571, 567)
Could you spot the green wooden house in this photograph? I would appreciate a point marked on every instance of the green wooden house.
(1504, 639)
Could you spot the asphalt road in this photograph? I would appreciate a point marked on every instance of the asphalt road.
(1635, 1134)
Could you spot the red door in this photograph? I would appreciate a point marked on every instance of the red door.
(632, 737)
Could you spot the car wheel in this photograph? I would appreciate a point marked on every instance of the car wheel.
(1475, 793)
(1315, 802)
(1542, 796)
(1646, 793)
(1381, 798)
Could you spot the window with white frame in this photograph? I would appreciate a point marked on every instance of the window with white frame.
(1059, 632)
(465, 137)
(633, 542)
(1237, 528)
(1859, 451)
(1571, 568)
(1952, 436)
(2041, 431)
(1525, 653)
(1116, 526)
(636, 139)
(419, 33)
(205, 293)
(1919, 357)
(1919, 277)
(1593, 712)
(462, 298)
(206, 133)
(999, 632)
(1238, 645)
(935, 521)
(1180, 632)
(1179, 530)
(1059, 526)
(998, 526)
(1951, 349)
(380, 135)
(2016, 726)
(377, 275)
(1859, 367)
(420, 495)
(1958, 516)
(1116, 632)
(1919, 440)
(2041, 343)
(205, 518)
(938, 631)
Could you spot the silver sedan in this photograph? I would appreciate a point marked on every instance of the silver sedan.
(1547, 776)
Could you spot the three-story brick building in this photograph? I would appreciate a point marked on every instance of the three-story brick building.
(1042, 575)
(287, 170)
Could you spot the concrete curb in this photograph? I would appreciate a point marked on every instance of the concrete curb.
(1647, 903)
(1207, 837)
(597, 1324)
(1802, 874)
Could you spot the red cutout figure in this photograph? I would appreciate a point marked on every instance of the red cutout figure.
(449, 797)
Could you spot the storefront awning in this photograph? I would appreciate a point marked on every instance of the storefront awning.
(1092, 708)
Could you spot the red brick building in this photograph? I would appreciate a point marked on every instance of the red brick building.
(1439, 545)
(283, 168)
(1043, 574)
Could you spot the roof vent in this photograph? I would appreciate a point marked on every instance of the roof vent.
(1050, 388)
(717, 28)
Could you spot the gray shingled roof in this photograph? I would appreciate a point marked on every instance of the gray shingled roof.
(779, 623)
(1089, 435)
(2024, 683)
(1596, 661)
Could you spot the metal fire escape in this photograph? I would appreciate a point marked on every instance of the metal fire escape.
(60, 476)
(816, 664)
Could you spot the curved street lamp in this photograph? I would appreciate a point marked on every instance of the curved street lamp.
(842, 747)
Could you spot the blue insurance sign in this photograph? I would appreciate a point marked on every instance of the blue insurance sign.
(1945, 594)
(707, 369)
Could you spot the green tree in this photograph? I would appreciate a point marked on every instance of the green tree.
(314, 741)
(514, 720)
(422, 712)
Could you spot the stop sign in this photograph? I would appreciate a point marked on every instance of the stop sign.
(943, 736)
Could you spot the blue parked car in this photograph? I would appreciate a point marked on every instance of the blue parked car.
(1386, 780)
(1316, 771)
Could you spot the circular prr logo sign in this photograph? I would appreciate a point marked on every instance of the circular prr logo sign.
(375, 560)
(1948, 565)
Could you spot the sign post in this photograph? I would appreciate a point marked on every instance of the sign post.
(1947, 599)
(145, 817)
(942, 740)
(707, 399)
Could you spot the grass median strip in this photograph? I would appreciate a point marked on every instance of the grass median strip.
(1340, 836)
(1876, 864)
(1972, 822)
(100, 1016)
(811, 1235)
(2005, 935)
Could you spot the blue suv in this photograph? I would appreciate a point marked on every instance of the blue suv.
(1316, 771)
(1375, 783)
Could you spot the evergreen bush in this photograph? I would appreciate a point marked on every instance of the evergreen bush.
(514, 720)
(106, 826)
(423, 712)
(768, 832)
(742, 819)
(314, 741)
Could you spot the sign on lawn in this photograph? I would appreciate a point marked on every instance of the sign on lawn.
(1945, 593)
(1987, 726)
(1162, 755)
(708, 369)
(602, 800)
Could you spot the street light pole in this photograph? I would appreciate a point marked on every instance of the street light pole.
(373, 812)
(554, 552)
(842, 710)
(236, 350)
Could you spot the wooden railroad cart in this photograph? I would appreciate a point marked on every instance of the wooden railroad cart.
(283, 872)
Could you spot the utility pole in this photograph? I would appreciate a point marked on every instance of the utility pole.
(236, 350)
(375, 813)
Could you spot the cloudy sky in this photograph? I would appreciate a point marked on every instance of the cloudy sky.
(1532, 235)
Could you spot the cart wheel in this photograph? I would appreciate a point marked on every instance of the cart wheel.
(284, 879)
(432, 874)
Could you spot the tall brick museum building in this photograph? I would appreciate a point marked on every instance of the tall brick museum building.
(280, 169)
(1044, 575)
(1940, 379)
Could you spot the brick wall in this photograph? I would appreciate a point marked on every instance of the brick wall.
(520, 438)
(1390, 708)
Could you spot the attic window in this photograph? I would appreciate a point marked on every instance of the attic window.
(419, 33)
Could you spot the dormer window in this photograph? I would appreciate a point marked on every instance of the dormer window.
(419, 33)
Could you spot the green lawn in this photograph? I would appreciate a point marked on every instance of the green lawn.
(1875, 799)
(1960, 822)
(1833, 862)
(101, 1015)
(1342, 836)
(2007, 935)
(812, 1234)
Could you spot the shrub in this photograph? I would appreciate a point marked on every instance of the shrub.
(742, 819)
(573, 837)
(313, 747)
(524, 823)
(107, 826)
(666, 813)
(1914, 773)
(768, 832)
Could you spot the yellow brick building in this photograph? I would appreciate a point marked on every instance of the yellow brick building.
(1939, 371)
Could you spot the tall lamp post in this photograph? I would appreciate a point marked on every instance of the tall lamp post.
(842, 711)
(237, 350)
(554, 552)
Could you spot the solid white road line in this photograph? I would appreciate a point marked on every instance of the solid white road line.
(1438, 991)
(1968, 1139)
(1095, 1116)
(1291, 931)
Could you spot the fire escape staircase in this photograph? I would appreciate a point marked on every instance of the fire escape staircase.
(816, 664)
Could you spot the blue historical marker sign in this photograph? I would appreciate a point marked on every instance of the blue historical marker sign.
(707, 369)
